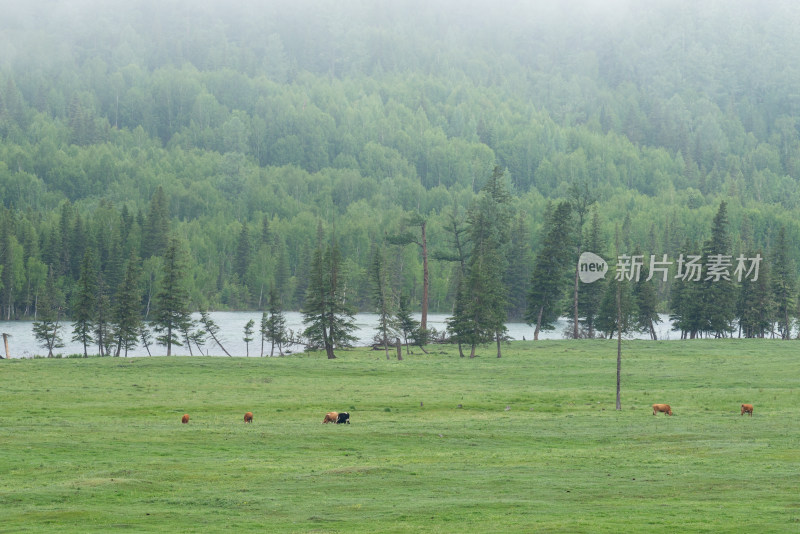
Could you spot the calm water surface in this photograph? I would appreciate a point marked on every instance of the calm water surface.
(22, 343)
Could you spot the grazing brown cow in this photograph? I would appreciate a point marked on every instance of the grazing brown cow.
(185, 418)
(331, 417)
(747, 408)
(248, 417)
(662, 408)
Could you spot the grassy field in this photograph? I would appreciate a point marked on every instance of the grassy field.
(530, 442)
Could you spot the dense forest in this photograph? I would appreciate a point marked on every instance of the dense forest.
(240, 129)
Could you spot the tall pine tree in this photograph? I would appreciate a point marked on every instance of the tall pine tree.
(172, 300)
(550, 271)
(84, 308)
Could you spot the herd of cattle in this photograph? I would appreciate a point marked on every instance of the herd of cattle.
(339, 418)
(666, 410)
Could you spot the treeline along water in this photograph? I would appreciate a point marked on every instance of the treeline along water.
(22, 344)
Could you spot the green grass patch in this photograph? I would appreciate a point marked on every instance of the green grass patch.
(530, 442)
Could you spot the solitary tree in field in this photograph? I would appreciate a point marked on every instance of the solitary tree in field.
(172, 300)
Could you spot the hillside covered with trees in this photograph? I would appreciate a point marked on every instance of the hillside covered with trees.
(242, 132)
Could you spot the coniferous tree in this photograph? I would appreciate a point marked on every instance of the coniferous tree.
(406, 324)
(263, 329)
(609, 320)
(552, 262)
(212, 329)
(248, 335)
(718, 290)
(686, 303)
(580, 198)
(783, 285)
(10, 254)
(146, 336)
(155, 232)
(47, 327)
(273, 327)
(460, 324)
(489, 233)
(243, 254)
(328, 317)
(198, 337)
(405, 238)
(102, 318)
(172, 300)
(644, 296)
(755, 306)
(518, 273)
(592, 294)
(83, 311)
(382, 299)
(127, 311)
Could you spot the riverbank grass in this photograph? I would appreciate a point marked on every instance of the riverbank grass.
(529, 442)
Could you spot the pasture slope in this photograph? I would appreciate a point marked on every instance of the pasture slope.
(526, 443)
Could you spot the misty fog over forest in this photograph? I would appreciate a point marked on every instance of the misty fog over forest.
(259, 121)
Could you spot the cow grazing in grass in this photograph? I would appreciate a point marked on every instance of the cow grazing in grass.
(331, 417)
(662, 408)
(248, 417)
(747, 408)
(185, 418)
(343, 417)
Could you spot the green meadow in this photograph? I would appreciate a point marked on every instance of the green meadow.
(530, 442)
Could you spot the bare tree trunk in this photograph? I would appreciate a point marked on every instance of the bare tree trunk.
(619, 344)
(399, 349)
(425, 279)
(328, 344)
(497, 337)
(575, 332)
(538, 324)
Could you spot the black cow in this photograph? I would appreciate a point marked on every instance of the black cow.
(344, 417)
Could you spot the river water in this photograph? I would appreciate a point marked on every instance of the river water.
(22, 343)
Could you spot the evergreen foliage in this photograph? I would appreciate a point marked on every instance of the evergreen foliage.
(550, 270)
(273, 327)
(83, 311)
(47, 327)
(127, 311)
(327, 315)
(116, 134)
(172, 315)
